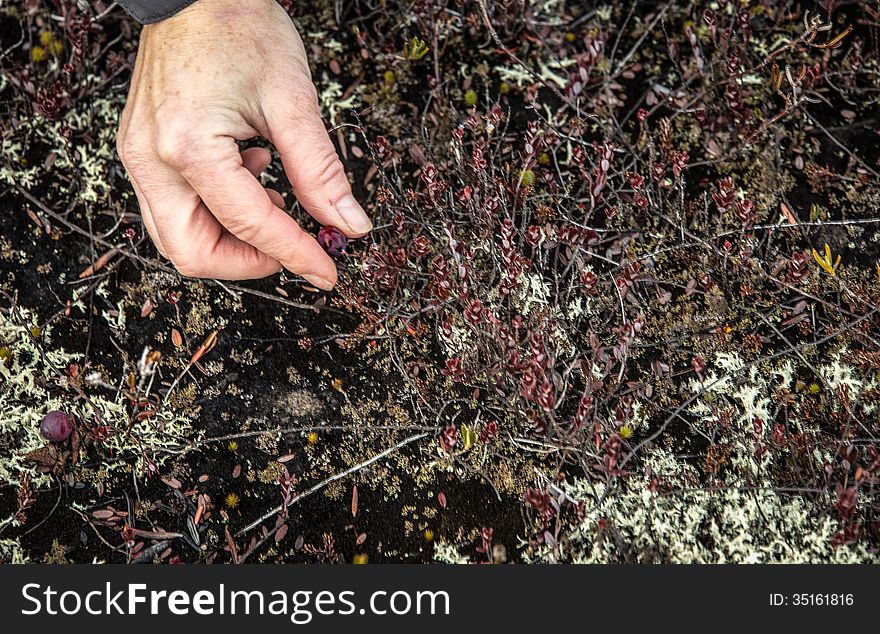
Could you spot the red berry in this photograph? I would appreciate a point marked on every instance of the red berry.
(56, 426)
(333, 241)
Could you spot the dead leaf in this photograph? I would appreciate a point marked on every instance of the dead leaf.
(155, 534)
(100, 263)
(147, 308)
(348, 92)
(371, 174)
(174, 483)
(788, 214)
(34, 218)
(233, 550)
(206, 346)
(200, 509)
(49, 458)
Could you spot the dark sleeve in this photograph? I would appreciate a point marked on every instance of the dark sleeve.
(148, 11)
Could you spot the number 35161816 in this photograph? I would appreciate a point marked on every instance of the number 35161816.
(817, 599)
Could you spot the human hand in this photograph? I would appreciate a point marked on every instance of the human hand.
(218, 72)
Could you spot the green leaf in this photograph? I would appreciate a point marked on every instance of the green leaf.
(469, 436)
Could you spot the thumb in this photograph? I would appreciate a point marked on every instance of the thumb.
(314, 169)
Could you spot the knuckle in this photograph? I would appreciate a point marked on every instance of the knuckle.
(174, 147)
(303, 93)
(189, 267)
(129, 148)
(248, 227)
(296, 103)
(176, 140)
(306, 91)
(122, 146)
(123, 138)
(328, 169)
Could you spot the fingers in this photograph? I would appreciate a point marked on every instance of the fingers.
(312, 165)
(197, 243)
(187, 233)
(147, 218)
(255, 160)
(218, 174)
(276, 198)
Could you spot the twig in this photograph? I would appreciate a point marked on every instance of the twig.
(330, 480)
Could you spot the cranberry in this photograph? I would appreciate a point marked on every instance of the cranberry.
(56, 426)
(333, 241)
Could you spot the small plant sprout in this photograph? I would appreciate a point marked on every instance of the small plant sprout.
(826, 261)
(415, 49)
(469, 437)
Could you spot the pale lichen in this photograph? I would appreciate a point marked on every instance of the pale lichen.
(689, 524)
(24, 401)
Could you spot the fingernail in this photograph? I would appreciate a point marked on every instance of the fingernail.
(320, 282)
(353, 215)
